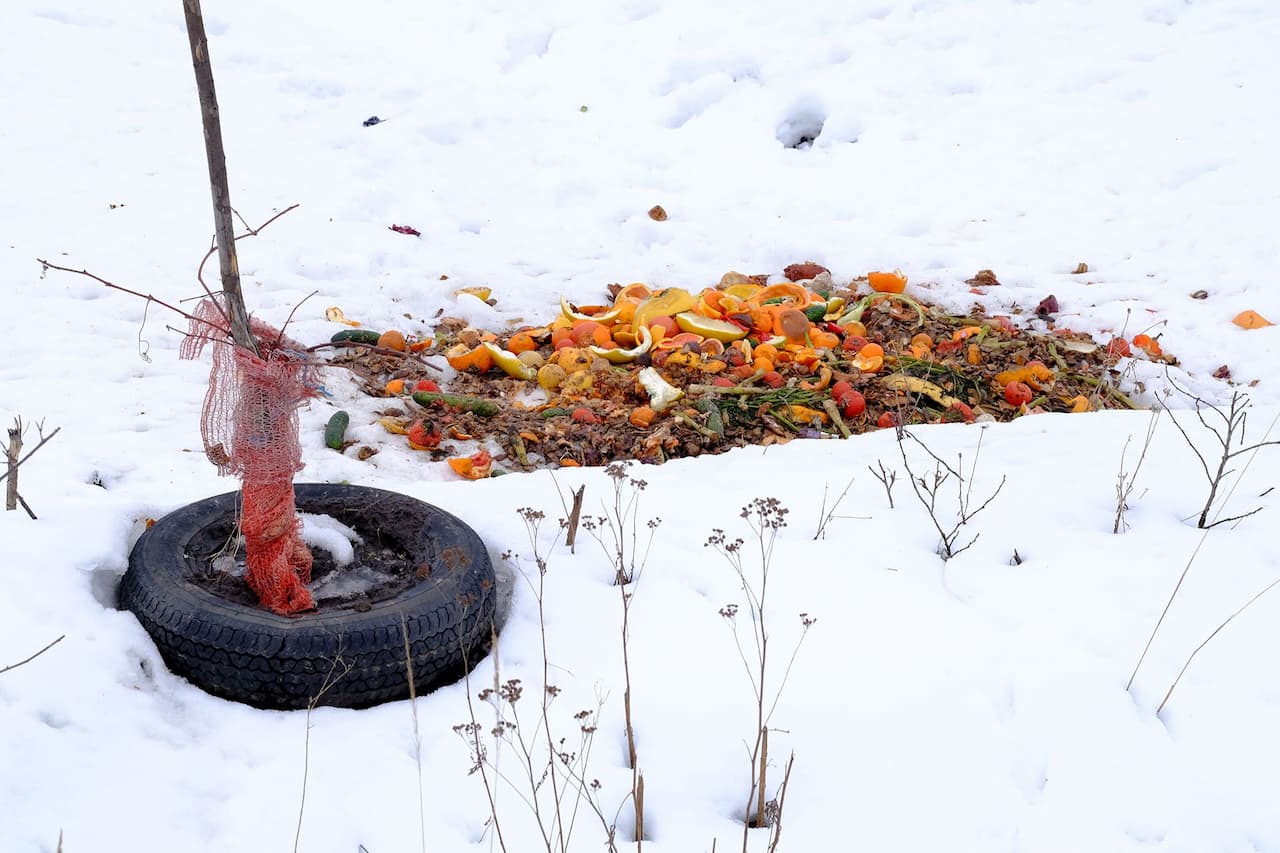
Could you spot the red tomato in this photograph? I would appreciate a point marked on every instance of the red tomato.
(1016, 393)
(888, 419)
(964, 411)
(773, 379)
(853, 343)
(851, 403)
(426, 385)
(839, 389)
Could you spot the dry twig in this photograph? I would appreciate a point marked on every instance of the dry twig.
(32, 657)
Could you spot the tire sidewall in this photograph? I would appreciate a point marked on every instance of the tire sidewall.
(213, 640)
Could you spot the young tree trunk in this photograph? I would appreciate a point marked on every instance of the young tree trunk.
(14, 451)
(223, 226)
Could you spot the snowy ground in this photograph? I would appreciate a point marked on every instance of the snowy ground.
(968, 706)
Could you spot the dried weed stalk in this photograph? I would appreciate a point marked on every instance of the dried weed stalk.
(766, 518)
(1125, 480)
(825, 516)
(928, 488)
(338, 669)
(620, 524)
(887, 477)
(1228, 428)
(548, 774)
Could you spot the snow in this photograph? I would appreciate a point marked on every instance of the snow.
(971, 705)
(322, 531)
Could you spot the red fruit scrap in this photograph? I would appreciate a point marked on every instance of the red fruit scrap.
(422, 438)
(839, 388)
(853, 343)
(426, 385)
(1017, 393)
(406, 229)
(1119, 348)
(773, 379)
(886, 420)
(1047, 307)
(800, 272)
(852, 404)
(963, 411)
(583, 415)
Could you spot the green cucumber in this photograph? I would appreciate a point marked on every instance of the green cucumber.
(483, 408)
(815, 312)
(356, 336)
(555, 413)
(335, 432)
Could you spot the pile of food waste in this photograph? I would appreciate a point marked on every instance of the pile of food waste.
(655, 374)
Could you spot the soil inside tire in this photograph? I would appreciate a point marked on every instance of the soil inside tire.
(382, 568)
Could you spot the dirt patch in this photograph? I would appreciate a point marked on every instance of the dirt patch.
(380, 570)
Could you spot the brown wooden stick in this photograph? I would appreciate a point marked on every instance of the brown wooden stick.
(216, 156)
(574, 516)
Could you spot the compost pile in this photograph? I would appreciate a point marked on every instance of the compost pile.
(656, 374)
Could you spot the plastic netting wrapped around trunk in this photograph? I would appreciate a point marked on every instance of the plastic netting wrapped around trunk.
(250, 429)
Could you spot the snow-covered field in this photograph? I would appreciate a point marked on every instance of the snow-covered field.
(975, 705)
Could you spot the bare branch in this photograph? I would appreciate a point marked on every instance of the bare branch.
(289, 319)
(927, 450)
(825, 515)
(1260, 444)
(44, 439)
(147, 296)
(965, 516)
(1216, 522)
(33, 657)
(1203, 463)
(887, 477)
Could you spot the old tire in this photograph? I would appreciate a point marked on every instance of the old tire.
(344, 657)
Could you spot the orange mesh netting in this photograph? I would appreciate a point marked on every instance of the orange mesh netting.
(250, 429)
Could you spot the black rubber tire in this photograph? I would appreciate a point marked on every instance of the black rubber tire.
(250, 655)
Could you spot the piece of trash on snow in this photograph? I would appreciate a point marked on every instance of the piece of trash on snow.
(1047, 306)
(1081, 269)
(1200, 294)
(983, 278)
(372, 120)
(658, 213)
(481, 293)
(1251, 319)
(335, 315)
(1222, 372)
(406, 229)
